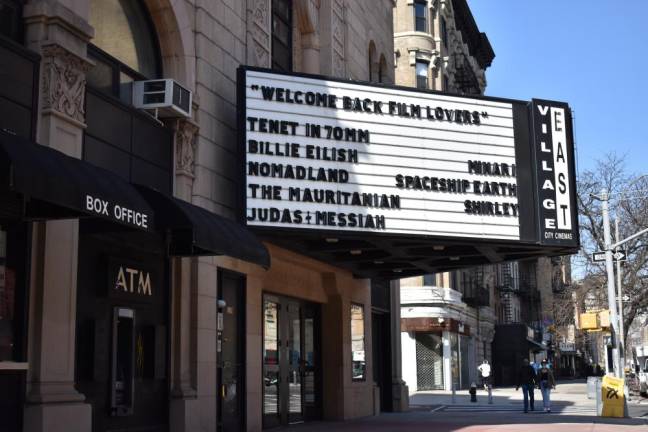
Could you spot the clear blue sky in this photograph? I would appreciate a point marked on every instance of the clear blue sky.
(592, 54)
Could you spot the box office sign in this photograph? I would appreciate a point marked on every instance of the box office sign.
(117, 212)
(324, 154)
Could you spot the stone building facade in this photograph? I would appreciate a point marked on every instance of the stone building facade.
(438, 46)
(205, 346)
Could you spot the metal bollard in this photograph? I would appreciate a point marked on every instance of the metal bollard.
(490, 394)
(473, 392)
(454, 394)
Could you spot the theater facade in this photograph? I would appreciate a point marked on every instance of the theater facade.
(191, 244)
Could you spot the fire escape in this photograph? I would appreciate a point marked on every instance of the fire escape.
(473, 288)
(508, 286)
(466, 81)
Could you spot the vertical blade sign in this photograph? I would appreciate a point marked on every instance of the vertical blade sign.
(554, 153)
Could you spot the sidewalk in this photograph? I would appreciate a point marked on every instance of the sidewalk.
(434, 411)
(566, 394)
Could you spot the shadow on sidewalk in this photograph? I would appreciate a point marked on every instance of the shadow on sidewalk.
(445, 422)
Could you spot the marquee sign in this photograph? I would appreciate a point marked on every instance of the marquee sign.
(324, 154)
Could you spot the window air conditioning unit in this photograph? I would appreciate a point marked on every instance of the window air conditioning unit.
(165, 96)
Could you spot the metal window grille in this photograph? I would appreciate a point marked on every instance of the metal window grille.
(429, 361)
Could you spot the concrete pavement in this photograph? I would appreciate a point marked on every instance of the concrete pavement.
(434, 411)
(415, 421)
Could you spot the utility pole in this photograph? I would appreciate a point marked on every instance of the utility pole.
(609, 266)
(620, 302)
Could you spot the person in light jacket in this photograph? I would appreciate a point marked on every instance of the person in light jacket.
(547, 382)
(485, 372)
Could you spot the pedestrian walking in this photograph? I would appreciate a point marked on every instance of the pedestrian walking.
(547, 382)
(485, 372)
(526, 378)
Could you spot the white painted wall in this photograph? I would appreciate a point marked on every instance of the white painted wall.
(408, 350)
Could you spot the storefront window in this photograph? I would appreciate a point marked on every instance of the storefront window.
(429, 361)
(467, 366)
(271, 358)
(359, 372)
(7, 293)
(454, 360)
(11, 293)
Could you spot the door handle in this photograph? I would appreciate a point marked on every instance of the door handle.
(223, 391)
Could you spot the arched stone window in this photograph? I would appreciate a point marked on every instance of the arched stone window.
(373, 62)
(124, 30)
(382, 69)
(125, 47)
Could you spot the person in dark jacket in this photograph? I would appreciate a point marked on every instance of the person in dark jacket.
(526, 378)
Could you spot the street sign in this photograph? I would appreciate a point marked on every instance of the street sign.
(620, 255)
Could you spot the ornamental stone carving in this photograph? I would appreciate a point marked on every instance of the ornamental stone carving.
(307, 15)
(64, 82)
(259, 32)
(186, 132)
(338, 34)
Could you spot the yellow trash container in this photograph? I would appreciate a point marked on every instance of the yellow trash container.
(612, 397)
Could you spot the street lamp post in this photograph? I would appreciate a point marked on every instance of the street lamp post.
(614, 322)
(620, 300)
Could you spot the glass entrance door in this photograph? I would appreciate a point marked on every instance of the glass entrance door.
(294, 361)
(290, 361)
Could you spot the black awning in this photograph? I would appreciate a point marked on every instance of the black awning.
(52, 185)
(196, 231)
(536, 346)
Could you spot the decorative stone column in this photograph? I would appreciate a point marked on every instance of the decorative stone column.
(186, 134)
(333, 401)
(258, 33)
(307, 14)
(52, 403)
(332, 38)
(400, 392)
(184, 413)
